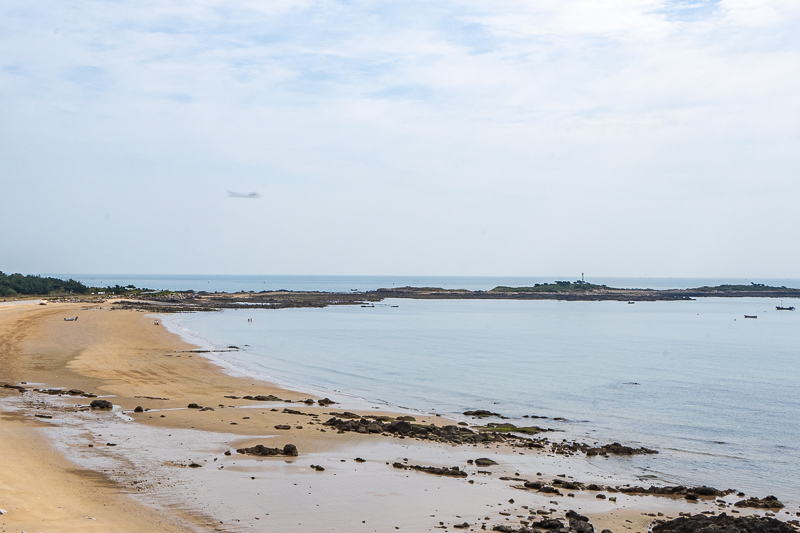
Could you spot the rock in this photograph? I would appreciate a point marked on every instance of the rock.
(723, 523)
(443, 471)
(290, 450)
(601, 496)
(547, 523)
(407, 419)
(768, 502)
(318, 468)
(399, 426)
(481, 413)
(283, 426)
(195, 465)
(691, 496)
(101, 404)
(464, 525)
(325, 401)
(671, 490)
(139, 409)
(579, 522)
(615, 448)
(193, 406)
(261, 398)
(262, 451)
(484, 461)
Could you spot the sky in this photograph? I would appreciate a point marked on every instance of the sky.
(490, 137)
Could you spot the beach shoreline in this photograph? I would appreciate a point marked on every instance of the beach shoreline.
(122, 356)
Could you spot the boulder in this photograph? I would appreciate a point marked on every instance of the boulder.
(723, 523)
(101, 404)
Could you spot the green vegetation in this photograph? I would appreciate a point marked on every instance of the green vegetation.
(12, 285)
(18, 284)
(557, 286)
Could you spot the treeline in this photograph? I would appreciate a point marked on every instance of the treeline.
(14, 284)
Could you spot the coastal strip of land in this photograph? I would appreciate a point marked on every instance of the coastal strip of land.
(174, 301)
(111, 423)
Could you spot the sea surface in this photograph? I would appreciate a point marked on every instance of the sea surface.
(717, 394)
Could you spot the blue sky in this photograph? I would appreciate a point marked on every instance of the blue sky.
(628, 137)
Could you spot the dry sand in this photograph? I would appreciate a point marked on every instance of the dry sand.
(61, 474)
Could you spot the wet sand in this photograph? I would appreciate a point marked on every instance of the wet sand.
(86, 470)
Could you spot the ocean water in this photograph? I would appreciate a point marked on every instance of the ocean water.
(715, 393)
(366, 283)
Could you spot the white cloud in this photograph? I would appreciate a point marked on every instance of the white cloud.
(475, 123)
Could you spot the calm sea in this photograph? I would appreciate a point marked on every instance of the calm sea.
(715, 393)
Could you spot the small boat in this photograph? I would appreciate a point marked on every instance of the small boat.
(631, 302)
(782, 308)
(71, 319)
(750, 316)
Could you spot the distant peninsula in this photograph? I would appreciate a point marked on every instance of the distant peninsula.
(167, 301)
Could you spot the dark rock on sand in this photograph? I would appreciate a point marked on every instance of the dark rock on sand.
(283, 426)
(261, 398)
(193, 406)
(101, 404)
(139, 409)
(579, 522)
(260, 450)
(399, 426)
(723, 523)
(484, 461)
(548, 523)
(768, 502)
(325, 401)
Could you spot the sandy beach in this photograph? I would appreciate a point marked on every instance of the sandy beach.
(171, 467)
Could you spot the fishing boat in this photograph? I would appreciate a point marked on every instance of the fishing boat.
(782, 308)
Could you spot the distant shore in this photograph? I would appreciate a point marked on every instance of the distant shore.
(174, 301)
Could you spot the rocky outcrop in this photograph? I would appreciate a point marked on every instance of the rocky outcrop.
(768, 502)
(723, 523)
(101, 404)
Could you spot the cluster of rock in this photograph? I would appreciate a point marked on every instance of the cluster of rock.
(615, 448)
(723, 523)
(569, 448)
(453, 471)
(52, 392)
(670, 490)
(768, 502)
(576, 523)
(451, 434)
(19, 388)
(260, 450)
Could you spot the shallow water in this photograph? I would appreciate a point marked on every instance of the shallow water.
(714, 392)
